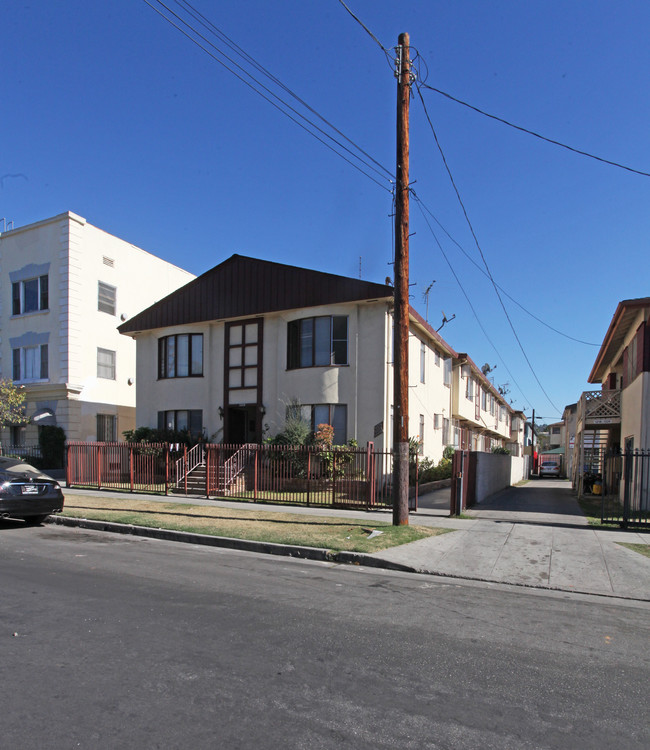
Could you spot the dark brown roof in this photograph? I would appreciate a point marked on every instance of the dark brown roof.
(624, 316)
(242, 287)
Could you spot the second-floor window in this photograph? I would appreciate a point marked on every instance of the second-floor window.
(469, 388)
(106, 295)
(30, 295)
(30, 363)
(180, 356)
(105, 364)
(317, 342)
(423, 361)
(447, 371)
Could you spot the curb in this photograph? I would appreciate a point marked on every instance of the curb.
(266, 548)
(304, 553)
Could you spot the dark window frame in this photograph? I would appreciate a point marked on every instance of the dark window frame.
(330, 420)
(305, 347)
(194, 420)
(18, 364)
(167, 371)
(18, 295)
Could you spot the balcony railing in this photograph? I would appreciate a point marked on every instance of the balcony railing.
(600, 408)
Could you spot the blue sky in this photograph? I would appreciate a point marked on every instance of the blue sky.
(110, 112)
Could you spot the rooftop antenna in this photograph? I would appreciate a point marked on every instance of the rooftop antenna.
(445, 320)
(426, 299)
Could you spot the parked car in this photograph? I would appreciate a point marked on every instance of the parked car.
(549, 469)
(27, 493)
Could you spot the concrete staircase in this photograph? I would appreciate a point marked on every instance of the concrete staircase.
(196, 483)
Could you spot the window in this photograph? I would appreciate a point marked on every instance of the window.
(483, 399)
(179, 420)
(29, 296)
(469, 388)
(445, 432)
(447, 371)
(436, 356)
(105, 364)
(335, 415)
(317, 342)
(30, 363)
(421, 436)
(106, 428)
(180, 356)
(492, 402)
(423, 360)
(106, 298)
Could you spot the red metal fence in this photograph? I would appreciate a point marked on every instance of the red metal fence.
(340, 477)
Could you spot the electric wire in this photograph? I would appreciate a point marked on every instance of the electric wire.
(467, 297)
(510, 297)
(487, 268)
(367, 30)
(537, 135)
(210, 26)
(270, 94)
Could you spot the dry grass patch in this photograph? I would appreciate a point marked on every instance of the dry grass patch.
(642, 549)
(349, 534)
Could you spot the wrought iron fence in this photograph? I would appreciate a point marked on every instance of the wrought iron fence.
(27, 451)
(339, 477)
(624, 483)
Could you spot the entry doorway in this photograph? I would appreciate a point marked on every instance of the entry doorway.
(241, 426)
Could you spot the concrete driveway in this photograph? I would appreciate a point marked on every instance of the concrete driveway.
(532, 535)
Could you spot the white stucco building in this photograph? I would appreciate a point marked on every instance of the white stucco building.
(65, 287)
(227, 354)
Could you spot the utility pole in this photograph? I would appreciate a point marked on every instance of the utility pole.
(401, 296)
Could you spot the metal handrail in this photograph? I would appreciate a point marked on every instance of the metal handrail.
(189, 461)
(236, 464)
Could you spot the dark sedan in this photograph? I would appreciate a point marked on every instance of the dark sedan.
(27, 493)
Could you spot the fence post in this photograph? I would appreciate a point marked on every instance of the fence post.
(131, 466)
(368, 478)
(207, 472)
(167, 469)
(257, 455)
(99, 466)
(67, 465)
(308, 474)
(333, 477)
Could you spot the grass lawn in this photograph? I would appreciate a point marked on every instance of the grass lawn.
(591, 506)
(349, 534)
(642, 549)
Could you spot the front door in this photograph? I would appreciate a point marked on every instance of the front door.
(241, 425)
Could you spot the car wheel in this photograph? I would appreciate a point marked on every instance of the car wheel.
(35, 520)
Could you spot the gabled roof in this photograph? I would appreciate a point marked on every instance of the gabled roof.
(624, 317)
(242, 287)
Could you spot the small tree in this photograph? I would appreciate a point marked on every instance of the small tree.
(12, 404)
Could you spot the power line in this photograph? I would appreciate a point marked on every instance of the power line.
(467, 298)
(487, 268)
(537, 135)
(206, 23)
(366, 29)
(270, 94)
(510, 297)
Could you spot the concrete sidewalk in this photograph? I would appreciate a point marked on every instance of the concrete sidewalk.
(533, 535)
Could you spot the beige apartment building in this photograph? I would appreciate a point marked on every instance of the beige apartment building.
(65, 287)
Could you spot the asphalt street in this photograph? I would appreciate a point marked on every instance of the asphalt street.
(112, 641)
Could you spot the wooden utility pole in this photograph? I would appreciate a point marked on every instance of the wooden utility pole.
(401, 285)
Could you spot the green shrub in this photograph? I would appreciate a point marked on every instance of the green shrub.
(51, 440)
